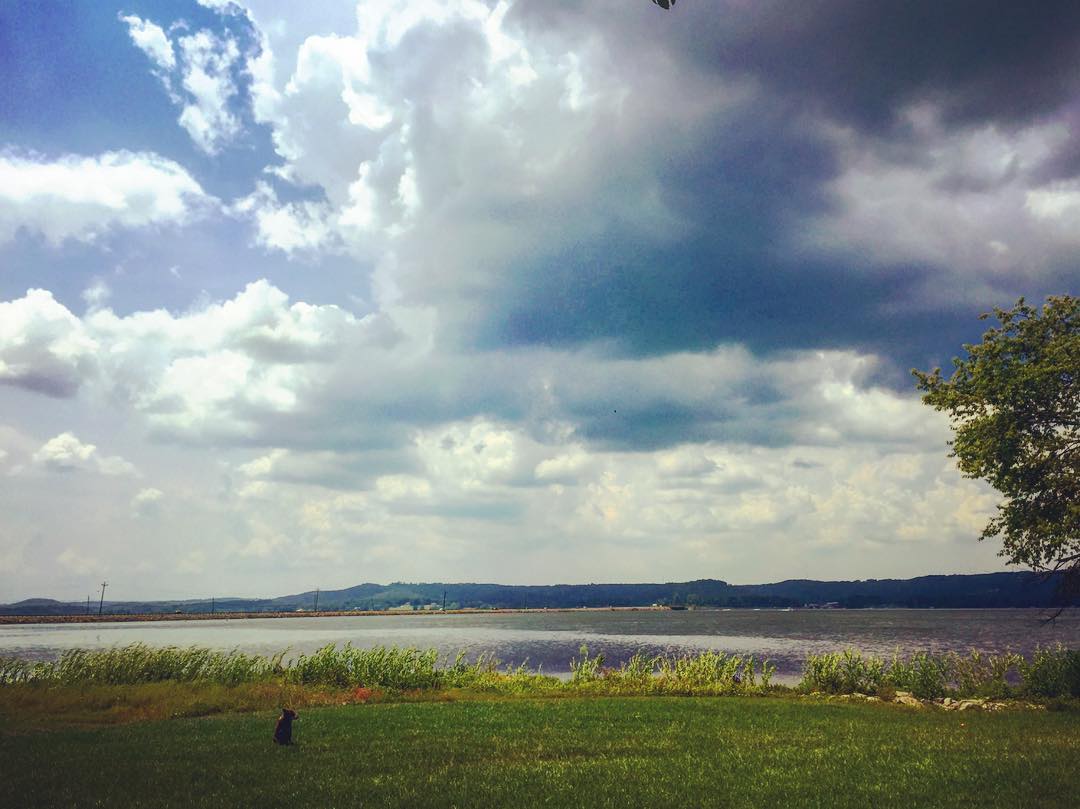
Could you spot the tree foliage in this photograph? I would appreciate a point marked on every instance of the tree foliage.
(1014, 403)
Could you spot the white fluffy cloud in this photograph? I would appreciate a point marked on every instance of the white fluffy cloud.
(208, 83)
(76, 197)
(43, 346)
(151, 40)
(442, 135)
(66, 452)
(147, 502)
(222, 370)
(198, 70)
(289, 227)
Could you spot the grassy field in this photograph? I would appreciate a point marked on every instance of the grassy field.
(594, 752)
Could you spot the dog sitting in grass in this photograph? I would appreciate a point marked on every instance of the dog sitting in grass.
(283, 728)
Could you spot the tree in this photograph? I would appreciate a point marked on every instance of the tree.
(1014, 404)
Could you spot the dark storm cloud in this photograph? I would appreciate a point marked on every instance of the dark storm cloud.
(700, 295)
(745, 184)
(981, 60)
(737, 184)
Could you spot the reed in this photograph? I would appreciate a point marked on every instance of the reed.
(392, 668)
(707, 673)
(139, 663)
(1048, 673)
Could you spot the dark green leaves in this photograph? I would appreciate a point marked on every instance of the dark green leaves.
(1014, 403)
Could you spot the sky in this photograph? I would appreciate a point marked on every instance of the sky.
(313, 294)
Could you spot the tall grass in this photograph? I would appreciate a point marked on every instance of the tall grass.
(1048, 673)
(139, 663)
(392, 668)
(712, 673)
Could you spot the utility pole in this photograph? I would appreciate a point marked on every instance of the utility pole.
(88, 605)
(316, 599)
(211, 605)
(444, 600)
(101, 602)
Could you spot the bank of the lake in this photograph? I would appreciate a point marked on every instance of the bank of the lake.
(598, 752)
(145, 617)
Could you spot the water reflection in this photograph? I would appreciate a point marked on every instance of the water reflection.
(549, 640)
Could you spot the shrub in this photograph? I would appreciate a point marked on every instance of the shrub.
(847, 672)
(1052, 673)
(925, 675)
(982, 675)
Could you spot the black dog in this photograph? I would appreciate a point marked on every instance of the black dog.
(283, 729)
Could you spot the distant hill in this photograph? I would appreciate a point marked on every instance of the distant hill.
(980, 590)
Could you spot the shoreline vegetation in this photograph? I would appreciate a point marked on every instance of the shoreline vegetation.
(1049, 676)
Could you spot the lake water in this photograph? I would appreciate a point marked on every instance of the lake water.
(550, 639)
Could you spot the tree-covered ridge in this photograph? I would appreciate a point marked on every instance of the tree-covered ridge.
(982, 590)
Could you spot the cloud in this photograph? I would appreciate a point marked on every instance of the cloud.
(261, 370)
(44, 347)
(83, 198)
(724, 506)
(151, 40)
(208, 82)
(303, 226)
(65, 453)
(626, 292)
(228, 369)
(96, 294)
(147, 502)
(78, 562)
(858, 63)
(192, 562)
(974, 203)
(737, 174)
(202, 73)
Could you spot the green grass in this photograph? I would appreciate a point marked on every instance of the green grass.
(38, 707)
(594, 752)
